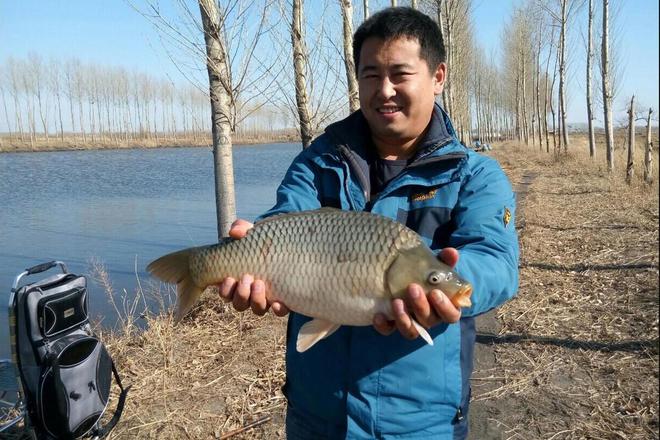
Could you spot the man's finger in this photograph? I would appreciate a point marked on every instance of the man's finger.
(239, 228)
(403, 320)
(420, 307)
(382, 325)
(446, 311)
(258, 301)
(226, 289)
(449, 256)
(241, 299)
(279, 309)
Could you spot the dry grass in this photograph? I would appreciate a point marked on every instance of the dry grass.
(582, 357)
(216, 371)
(55, 143)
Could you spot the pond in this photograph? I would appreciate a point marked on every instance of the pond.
(119, 209)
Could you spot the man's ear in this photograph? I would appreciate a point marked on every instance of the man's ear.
(439, 77)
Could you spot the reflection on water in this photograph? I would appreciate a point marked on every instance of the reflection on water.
(121, 207)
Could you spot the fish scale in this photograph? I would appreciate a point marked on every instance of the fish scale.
(338, 266)
(329, 264)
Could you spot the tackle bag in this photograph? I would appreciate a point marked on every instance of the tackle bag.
(64, 369)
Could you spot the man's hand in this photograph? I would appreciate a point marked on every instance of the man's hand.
(248, 292)
(427, 310)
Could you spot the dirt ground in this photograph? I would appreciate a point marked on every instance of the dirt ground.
(573, 356)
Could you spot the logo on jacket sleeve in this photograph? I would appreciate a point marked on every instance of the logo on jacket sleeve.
(507, 216)
(424, 196)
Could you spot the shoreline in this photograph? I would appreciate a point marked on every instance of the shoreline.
(73, 144)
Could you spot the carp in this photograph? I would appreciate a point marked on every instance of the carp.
(338, 267)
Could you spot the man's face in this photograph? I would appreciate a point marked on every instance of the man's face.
(397, 91)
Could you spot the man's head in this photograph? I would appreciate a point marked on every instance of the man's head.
(399, 58)
(408, 23)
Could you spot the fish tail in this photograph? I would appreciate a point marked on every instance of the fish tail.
(175, 268)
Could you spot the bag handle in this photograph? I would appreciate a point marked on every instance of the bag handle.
(104, 430)
(43, 267)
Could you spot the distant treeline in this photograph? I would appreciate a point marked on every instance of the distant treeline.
(67, 99)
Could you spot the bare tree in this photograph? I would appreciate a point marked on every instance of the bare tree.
(36, 83)
(562, 73)
(590, 55)
(4, 102)
(55, 88)
(233, 33)
(455, 19)
(607, 89)
(648, 151)
(351, 78)
(300, 69)
(14, 91)
(630, 170)
(220, 95)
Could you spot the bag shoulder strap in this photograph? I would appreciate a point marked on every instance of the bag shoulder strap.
(102, 431)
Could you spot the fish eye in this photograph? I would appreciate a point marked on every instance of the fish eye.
(438, 277)
(435, 278)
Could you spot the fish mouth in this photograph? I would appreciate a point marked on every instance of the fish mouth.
(462, 297)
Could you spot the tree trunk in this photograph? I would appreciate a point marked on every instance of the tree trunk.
(552, 107)
(518, 134)
(630, 169)
(4, 104)
(300, 72)
(562, 77)
(351, 78)
(221, 102)
(648, 153)
(590, 55)
(538, 93)
(59, 114)
(525, 126)
(448, 36)
(607, 90)
(365, 5)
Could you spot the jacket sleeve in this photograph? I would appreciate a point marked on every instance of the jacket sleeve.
(299, 190)
(485, 236)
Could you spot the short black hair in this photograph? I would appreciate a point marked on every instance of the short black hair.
(404, 22)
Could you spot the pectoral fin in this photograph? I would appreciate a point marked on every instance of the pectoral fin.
(313, 331)
(422, 332)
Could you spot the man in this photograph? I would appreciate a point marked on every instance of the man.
(397, 156)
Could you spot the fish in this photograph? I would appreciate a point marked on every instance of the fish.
(337, 267)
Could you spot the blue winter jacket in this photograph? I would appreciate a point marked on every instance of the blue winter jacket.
(358, 383)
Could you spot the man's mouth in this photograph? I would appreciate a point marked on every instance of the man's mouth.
(389, 110)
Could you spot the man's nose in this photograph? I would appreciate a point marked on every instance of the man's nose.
(386, 88)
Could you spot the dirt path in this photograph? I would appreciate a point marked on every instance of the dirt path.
(575, 355)
(485, 414)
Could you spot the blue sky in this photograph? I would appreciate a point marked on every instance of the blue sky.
(110, 32)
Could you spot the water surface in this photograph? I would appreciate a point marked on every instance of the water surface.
(122, 208)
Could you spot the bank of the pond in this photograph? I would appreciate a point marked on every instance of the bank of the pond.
(15, 145)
